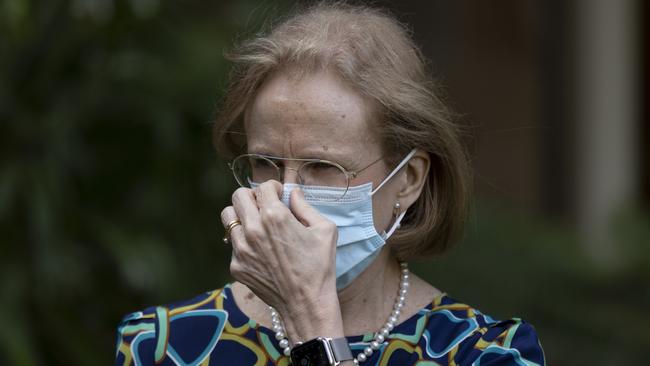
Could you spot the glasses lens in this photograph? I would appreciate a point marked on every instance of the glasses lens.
(323, 174)
(254, 169)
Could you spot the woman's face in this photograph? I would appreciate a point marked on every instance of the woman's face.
(318, 116)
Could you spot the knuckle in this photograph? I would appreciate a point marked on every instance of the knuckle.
(266, 212)
(224, 213)
(253, 234)
(279, 207)
(275, 184)
(239, 193)
(269, 213)
(272, 185)
(275, 212)
(236, 268)
(329, 225)
(264, 184)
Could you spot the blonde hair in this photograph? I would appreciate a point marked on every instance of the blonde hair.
(371, 51)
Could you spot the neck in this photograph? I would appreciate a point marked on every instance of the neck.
(368, 300)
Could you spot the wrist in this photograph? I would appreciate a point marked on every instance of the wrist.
(319, 317)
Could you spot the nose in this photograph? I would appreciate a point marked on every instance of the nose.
(290, 175)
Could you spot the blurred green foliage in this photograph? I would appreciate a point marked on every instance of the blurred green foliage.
(110, 193)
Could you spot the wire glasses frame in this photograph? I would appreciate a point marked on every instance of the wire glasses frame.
(304, 172)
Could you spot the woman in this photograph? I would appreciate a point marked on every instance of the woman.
(350, 167)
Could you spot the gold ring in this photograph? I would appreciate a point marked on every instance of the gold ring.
(229, 227)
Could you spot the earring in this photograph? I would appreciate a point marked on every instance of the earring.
(396, 209)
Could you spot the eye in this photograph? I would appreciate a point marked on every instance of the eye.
(260, 163)
(320, 173)
(321, 166)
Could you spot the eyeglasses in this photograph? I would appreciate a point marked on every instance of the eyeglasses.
(253, 169)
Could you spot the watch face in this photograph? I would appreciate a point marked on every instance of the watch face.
(310, 353)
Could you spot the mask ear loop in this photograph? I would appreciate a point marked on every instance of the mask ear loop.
(398, 219)
(396, 225)
(397, 168)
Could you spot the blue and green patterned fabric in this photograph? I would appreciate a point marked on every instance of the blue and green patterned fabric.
(211, 330)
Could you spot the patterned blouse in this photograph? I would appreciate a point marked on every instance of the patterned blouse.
(211, 330)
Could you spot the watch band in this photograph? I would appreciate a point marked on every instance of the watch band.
(340, 349)
(321, 351)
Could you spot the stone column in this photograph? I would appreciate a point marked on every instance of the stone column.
(607, 114)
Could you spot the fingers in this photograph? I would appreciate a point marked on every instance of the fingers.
(274, 214)
(303, 211)
(240, 247)
(228, 215)
(256, 219)
(268, 193)
(245, 206)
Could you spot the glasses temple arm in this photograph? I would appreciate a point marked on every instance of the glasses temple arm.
(397, 168)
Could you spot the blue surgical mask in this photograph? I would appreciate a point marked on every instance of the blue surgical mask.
(358, 242)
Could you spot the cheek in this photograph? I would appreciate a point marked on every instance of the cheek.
(382, 211)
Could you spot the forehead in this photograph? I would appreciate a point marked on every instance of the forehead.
(316, 115)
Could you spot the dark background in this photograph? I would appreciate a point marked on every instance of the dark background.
(110, 191)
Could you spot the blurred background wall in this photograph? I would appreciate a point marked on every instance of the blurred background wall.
(110, 191)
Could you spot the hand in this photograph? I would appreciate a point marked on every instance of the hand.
(286, 256)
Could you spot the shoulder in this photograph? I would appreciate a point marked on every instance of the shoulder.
(144, 337)
(459, 331)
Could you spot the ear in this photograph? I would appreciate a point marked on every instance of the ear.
(416, 171)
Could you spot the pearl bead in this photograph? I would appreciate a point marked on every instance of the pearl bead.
(390, 326)
(404, 285)
(380, 338)
(401, 300)
(392, 319)
(405, 276)
(361, 357)
(279, 335)
(287, 351)
(402, 292)
(284, 343)
(368, 351)
(355, 361)
(384, 332)
(374, 345)
(277, 328)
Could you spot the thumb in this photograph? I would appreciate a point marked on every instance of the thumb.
(302, 210)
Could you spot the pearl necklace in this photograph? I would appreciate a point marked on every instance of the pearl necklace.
(380, 336)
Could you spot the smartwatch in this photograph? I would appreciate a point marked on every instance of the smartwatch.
(321, 352)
